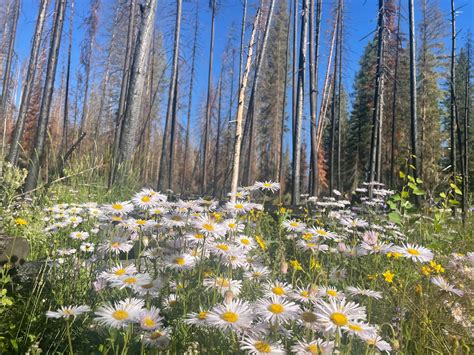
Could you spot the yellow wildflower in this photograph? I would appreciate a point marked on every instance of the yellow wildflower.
(21, 222)
(426, 270)
(295, 264)
(388, 275)
(314, 265)
(394, 254)
(260, 242)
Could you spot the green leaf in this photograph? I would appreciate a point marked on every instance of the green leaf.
(412, 185)
(394, 217)
(411, 178)
(392, 205)
(442, 195)
(454, 202)
(401, 174)
(417, 191)
(405, 194)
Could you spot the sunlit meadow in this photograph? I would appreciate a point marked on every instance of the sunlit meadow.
(151, 273)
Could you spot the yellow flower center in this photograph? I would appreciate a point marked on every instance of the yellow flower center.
(339, 319)
(130, 280)
(222, 282)
(116, 218)
(267, 184)
(371, 341)
(156, 335)
(202, 315)
(294, 224)
(141, 222)
(120, 314)
(355, 327)
(146, 198)
(311, 245)
(232, 225)
(68, 312)
(262, 346)
(239, 206)
(208, 227)
(276, 308)
(304, 294)
(179, 261)
(198, 236)
(309, 317)
(117, 206)
(413, 251)
(115, 244)
(322, 232)
(120, 272)
(223, 247)
(176, 218)
(245, 241)
(149, 322)
(331, 293)
(279, 291)
(230, 317)
(312, 349)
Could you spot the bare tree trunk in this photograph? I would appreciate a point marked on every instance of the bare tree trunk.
(240, 111)
(453, 90)
(294, 72)
(332, 138)
(295, 196)
(131, 120)
(394, 98)
(283, 108)
(28, 84)
(467, 105)
(242, 42)
(38, 151)
(377, 118)
(190, 100)
(64, 140)
(414, 120)
(173, 133)
(7, 76)
(218, 137)
(123, 92)
(251, 109)
(207, 127)
(339, 101)
(172, 91)
(313, 83)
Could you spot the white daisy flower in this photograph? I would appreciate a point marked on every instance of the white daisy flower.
(446, 286)
(335, 314)
(68, 311)
(268, 186)
(238, 207)
(116, 246)
(363, 292)
(257, 273)
(233, 225)
(360, 329)
(209, 226)
(120, 314)
(180, 262)
(317, 346)
(278, 288)
(150, 318)
(79, 235)
(87, 247)
(245, 242)
(375, 248)
(174, 220)
(131, 281)
(235, 315)
(377, 341)
(158, 338)
(330, 292)
(197, 318)
(276, 310)
(415, 252)
(223, 285)
(260, 346)
(293, 225)
(119, 271)
(119, 208)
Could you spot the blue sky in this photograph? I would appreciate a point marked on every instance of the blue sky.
(360, 19)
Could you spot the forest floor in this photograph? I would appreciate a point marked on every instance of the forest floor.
(125, 272)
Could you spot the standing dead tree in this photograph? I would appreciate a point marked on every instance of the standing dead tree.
(128, 138)
(240, 110)
(40, 138)
(28, 85)
(295, 196)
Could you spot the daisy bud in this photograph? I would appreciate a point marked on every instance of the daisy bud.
(395, 344)
(145, 241)
(341, 247)
(284, 267)
(228, 297)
